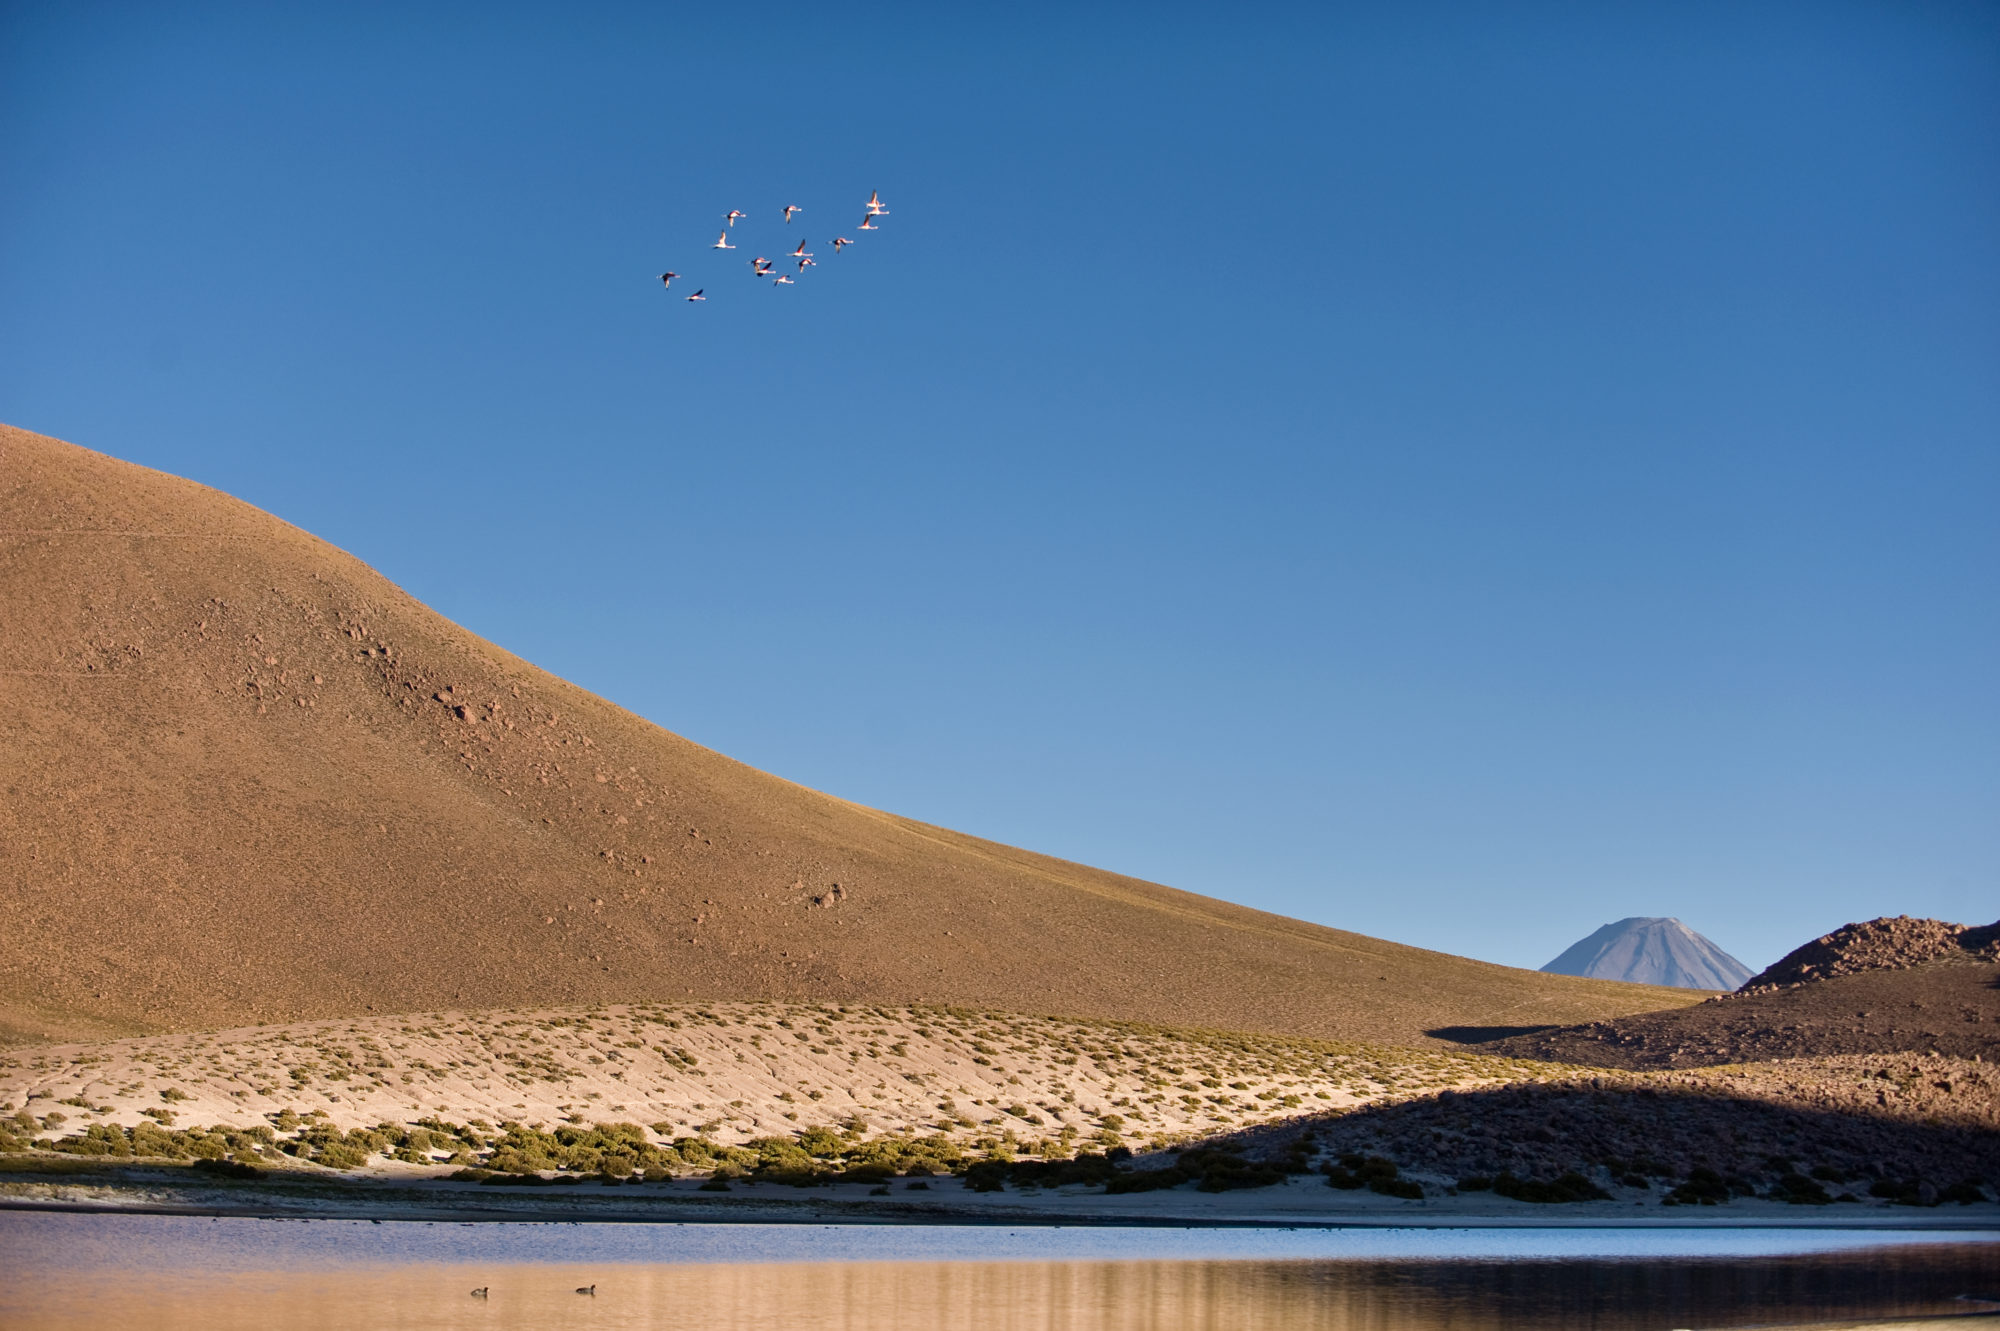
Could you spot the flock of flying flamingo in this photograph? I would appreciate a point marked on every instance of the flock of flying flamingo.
(763, 267)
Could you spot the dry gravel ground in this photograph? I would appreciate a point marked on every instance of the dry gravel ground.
(1946, 1006)
(1032, 1085)
(249, 781)
(1856, 1118)
(731, 1071)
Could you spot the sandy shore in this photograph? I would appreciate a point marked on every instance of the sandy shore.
(1300, 1202)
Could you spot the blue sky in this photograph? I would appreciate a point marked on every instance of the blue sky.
(1463, 473)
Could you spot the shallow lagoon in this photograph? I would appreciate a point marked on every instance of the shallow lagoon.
(70, 1270)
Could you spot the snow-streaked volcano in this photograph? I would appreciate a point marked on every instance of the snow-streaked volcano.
(1651, 950)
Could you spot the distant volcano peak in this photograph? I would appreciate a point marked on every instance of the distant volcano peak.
(1651, 949)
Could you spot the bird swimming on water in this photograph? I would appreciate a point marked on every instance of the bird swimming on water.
(587, 1289)
(479, 1293)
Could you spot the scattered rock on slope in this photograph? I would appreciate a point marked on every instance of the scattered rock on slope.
(249, 782)
(1888, 943)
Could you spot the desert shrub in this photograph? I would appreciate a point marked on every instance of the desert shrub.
(1360, 1171)
(1089, 1168)
(228, 1168)
(1144, 1180)
(714, 1185)
(471, 1175)
(1703, 1187)
(97, 1139)
(875, 1173)
(340, 1156)
(1569, 1187)
(1397, 1187)
(1965, 1192)
(1799, 1190)
(1474, 1183)
(1209, 1169)
(699, 1152)
(822, 1141)
(1905, 1191)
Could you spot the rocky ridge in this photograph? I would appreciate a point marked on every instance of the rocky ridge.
(1888, 943)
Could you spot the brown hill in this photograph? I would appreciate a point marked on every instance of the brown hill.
(1948, 1006)
(248, 780)
(1891, 943)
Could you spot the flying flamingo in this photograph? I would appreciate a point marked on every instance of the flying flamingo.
(800, 252)
(839, 241)
(782, 282)
(868, 223)
(667, 280)
(729, 218)
(791, 208)
(875, 208)
(722, 241)
(697, 295)
(806, 263)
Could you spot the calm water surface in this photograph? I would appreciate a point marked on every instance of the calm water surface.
(65, 1271)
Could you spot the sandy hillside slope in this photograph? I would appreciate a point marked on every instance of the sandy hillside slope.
(247, 780)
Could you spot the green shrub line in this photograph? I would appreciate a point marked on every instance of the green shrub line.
(516, 1154)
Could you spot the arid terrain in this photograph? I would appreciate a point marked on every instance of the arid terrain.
(730, 1071)
(250, 782)
(1949, 1006)
(819, 1095)
(1888, 985)
(302, 886)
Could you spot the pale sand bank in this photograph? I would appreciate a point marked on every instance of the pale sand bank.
(416, 1194)
(731, 1071)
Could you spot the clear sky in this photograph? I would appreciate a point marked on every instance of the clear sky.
(1461, 472)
